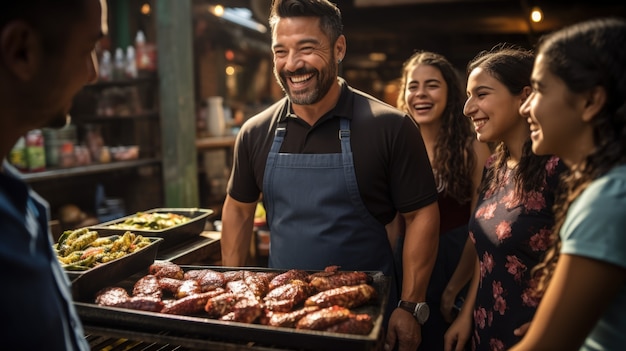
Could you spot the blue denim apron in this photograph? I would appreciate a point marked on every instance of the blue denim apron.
(316, 216)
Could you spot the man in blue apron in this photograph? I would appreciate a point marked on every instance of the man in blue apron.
(333, 165)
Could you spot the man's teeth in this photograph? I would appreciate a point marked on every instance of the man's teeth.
(300, 79)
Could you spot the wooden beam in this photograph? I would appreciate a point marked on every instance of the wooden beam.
(178, 126)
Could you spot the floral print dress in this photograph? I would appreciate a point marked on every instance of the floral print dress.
(511, 237)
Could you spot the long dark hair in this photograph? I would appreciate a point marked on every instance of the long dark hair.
(584, 56)
(454, 158)
(512, 66)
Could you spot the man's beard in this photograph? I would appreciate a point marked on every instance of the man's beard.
(325, 79)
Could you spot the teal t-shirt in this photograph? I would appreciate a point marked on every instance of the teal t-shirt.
(595, 227)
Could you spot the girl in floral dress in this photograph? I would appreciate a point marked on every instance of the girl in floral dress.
(512, 221)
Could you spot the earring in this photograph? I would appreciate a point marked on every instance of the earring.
(339, 61)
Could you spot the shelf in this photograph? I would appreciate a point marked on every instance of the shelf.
(215, 142)
(85, 170)
(123, 82)
(103, 118)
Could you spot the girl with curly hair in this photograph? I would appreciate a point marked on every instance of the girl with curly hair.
(577, 110)
(432, 94)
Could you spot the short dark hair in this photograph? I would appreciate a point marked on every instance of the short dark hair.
(50, 17)
(328, 13)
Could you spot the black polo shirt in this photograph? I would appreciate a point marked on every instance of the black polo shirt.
(392, 168)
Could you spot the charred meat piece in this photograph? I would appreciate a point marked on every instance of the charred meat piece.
(212, 280)
(360, 324)
(286, 296)
(239, 287)
(284, 278)
(258, 282)
(148, 286)
(190, 304)
(231, 276)
(339, 279)
(323, 318)
(244, 311)
(170, 285)
(328, 271)
(222, 304)
(111, 296)
(167, 269)
(118, 297)
(288, 319)
(345, 296)
(188, 287)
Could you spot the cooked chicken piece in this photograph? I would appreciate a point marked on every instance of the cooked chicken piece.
(118, 297)
(258, 282)
(239, 287)
(170, 285)
(286, 296)
(360, 324)
(287, 319)
(231, 276)
(339, 279)
(148, 286)
(222, 304)
(111, 296)
(244, 311)
(188, 287)
(191, 304)
(324, 318)
(168, 269)
(284, 278)
(345, 296)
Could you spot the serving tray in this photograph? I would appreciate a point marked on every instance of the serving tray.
(172, 235)
(203, 328)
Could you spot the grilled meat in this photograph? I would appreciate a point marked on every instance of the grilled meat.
(187, 288)
(170, 285)
(240, 288)
(345, 296)
(222, 304)
(244, 311)
(111, 296)
(360, 324)
(286, 296)
(118, 297)
(191, 304)
(231, 276)
(166, 269)
(148, 286)
(339, 279)
(287, 319)
(323, 318)
(258, 282)
(284, 278)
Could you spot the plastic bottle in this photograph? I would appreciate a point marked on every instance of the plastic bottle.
(119, 67)
(17, 157)
(131, 63)
(145, 53)
(106, 67)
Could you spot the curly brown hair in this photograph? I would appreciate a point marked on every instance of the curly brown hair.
(585, 56)
(454, 158)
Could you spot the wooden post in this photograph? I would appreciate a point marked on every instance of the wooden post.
(176, 94)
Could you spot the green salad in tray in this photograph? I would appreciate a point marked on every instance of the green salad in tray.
(151, 221)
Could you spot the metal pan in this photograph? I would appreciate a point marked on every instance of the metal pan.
(89, 282)
(171, 236)
(202, 328)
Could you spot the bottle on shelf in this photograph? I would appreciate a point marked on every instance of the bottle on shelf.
(119, 66)
(145, 53)
(131, 63)
(105, 71)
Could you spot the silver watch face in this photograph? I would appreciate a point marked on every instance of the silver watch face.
(422, 312)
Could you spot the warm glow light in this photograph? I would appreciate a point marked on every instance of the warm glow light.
(377, 56)
(218, 10)
(229, 55)
(230, 70)
(145, 9)
(536, 15)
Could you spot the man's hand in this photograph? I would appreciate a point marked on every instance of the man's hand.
(404, 330)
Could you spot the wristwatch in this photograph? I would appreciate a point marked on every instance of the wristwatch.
(419, 310)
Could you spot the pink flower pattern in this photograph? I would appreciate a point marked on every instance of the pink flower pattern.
(510, 238)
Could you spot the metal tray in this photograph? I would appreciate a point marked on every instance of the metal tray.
(202, 328)
(171, 236)
(89, 282)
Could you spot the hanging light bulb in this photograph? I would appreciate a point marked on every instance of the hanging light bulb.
(536, 15)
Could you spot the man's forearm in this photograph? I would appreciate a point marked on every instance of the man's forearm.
(237, 226)
(420, 252)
